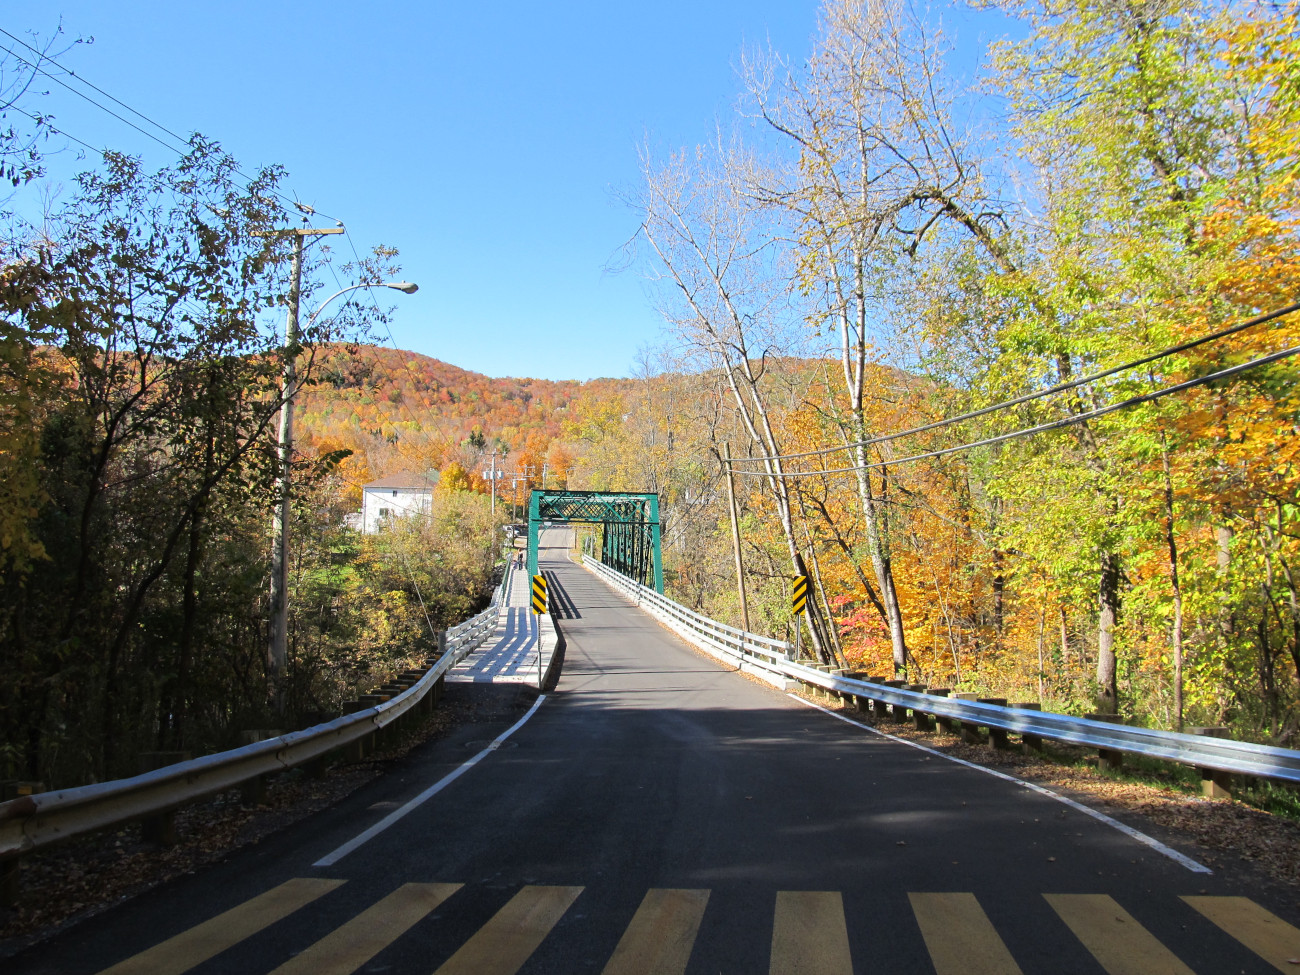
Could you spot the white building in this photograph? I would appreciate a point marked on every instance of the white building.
(395, 496)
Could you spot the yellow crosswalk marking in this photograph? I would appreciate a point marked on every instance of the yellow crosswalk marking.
(960, 937)
(203, 941)
(661, 935)
(1116, 940)
(502, 945)
(1264, 933)
(809, 936)
(809, 933)
(347, 948)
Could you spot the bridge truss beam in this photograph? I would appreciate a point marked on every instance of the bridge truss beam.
(630, 541)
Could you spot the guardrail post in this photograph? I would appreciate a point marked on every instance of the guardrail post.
(1030, 741)
(943, 722)
(839, 672)
(879, 709)
(252, 792)
(160, 829)
(920, 719)
(817, 688)
(369, 701)
(897, 712)
(1106, 757)
(9, 882)
(997, 736)
(860, 701)
(969, 732)
(356, 750)
(1215, 784)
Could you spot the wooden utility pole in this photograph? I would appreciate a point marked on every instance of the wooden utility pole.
(277, 651)
(735, 535)
(494, 485)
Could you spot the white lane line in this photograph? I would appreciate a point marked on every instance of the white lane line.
(1141, 837)
(334, 857)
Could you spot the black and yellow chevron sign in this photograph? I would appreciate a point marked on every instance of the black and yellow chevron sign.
(539, 593)
(799, 595)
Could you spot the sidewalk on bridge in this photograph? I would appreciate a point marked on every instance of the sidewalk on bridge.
(510, 654)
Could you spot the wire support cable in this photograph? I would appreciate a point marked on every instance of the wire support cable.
(1028, 397)
(1045, 427)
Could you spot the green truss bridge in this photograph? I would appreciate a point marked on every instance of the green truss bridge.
(629, 541)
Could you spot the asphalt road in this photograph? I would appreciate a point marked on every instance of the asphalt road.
(658, 813)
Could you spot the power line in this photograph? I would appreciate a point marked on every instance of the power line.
(189, 143)
(1053, 425)
(45, 57)
(55, 129)
(81, 94)
(1028, 397)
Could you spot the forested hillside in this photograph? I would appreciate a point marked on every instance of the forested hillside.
(397, 410)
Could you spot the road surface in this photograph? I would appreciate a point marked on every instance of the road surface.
(658, 813)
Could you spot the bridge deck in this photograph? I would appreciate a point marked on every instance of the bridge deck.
(510, 655)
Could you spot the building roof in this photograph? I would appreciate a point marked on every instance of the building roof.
(406, 479)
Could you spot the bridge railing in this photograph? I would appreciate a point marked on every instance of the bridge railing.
(768, 659)
(31, 822)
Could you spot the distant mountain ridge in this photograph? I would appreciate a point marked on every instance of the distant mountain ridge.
(377, 389)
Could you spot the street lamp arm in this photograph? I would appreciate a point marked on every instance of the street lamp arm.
(405, 287)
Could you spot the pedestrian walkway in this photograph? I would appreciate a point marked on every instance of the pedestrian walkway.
(509, 656)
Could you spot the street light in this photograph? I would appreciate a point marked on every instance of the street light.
(278, 657)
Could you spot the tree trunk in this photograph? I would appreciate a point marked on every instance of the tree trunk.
(880, 560)
(177, 700)
(1065, 640)
(999, 594)
(1108, 605)
(1177, 635)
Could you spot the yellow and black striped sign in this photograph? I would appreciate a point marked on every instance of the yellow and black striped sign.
(539, 593)
(799, 595)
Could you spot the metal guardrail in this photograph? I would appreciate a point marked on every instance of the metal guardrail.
(31, 822)
(769, 659)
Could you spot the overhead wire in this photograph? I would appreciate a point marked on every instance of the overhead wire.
(1045, 427)
(57, 130)
(187, 143)
(81, 94)
(1029, 397)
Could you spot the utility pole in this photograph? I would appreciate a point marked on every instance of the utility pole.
(494, 485)
(735, 534)
(277, 656)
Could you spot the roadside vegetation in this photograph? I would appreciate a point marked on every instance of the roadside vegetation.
(141, 314)
(877, 244)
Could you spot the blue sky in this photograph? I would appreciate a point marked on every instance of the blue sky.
(488, 142)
